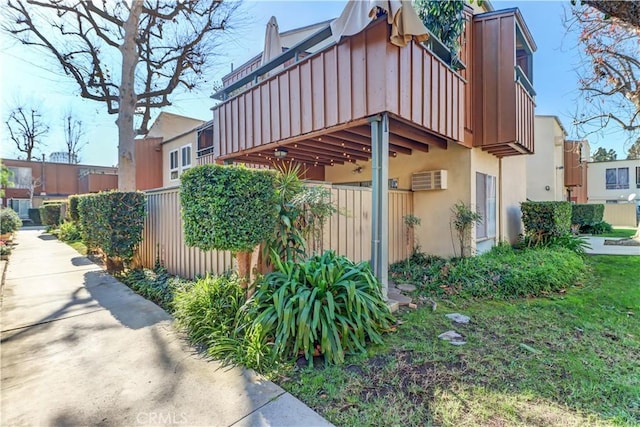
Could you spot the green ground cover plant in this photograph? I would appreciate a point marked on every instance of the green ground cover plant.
(502, 273)
(569, 358)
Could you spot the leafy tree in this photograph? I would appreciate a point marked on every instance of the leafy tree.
(130, 55)
(634, 151)
(444, 19)
(73, 133)
(5, 178)
(604, 155)
(608, 73)
(26, 129)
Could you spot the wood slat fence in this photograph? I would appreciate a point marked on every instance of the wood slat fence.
(348, 231)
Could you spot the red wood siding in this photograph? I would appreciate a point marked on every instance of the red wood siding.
(503, 109)
(362, 76)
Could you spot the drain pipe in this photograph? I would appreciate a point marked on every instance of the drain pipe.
(500, 207)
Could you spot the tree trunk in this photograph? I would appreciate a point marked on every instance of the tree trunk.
(127, 101)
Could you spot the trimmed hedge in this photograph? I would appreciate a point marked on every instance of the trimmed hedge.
(50, 213)
(113, 222)
(586, 214)
(73, 208)
(228, 207)
(34, 216)
(543, 220)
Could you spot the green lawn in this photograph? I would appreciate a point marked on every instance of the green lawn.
(624, 233)
(79, 246)
(570, 359)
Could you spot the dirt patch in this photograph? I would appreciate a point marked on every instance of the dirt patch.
(405, 373)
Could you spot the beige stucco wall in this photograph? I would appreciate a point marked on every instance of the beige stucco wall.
(544, 167)
(512, 192)
(177, 144)
(434, 207)
(169, 125)
(596, 182)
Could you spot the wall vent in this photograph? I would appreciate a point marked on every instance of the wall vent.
(429, 180)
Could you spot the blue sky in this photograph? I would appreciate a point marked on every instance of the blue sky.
(26, 75)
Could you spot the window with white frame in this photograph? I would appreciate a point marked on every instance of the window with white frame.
(637, 176)
(185, 154)
(617, 178)
(486, 205)
(174, 166)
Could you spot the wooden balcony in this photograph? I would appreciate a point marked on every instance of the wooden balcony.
(503, 94)
(319, 108)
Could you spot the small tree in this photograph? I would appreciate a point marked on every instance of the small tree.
(463, 219)
(229, 208)
(26, 129)
(411, 221)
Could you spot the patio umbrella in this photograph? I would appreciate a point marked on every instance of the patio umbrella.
(404, 21)
(272, 43)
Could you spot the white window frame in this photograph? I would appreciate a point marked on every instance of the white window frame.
(619, 183)
(637, 176)
(183, 166)
(486, 205)
(174, 171)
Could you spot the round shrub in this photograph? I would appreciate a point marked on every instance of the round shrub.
(9, 221)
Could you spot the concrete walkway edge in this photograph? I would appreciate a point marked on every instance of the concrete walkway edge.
(81, 348)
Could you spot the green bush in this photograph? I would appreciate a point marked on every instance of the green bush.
(34, 216)
(505, 273)
(207, 310)
(584, 214)
(597, 227)
(113, 222)
(9, 221)
(228, 207)
(327, 305)
(50, 213)
(419, 268)
(543, 220)
(69, 232)
(73, 213)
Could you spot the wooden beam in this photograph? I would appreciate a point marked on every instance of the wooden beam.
(334, 148)
(326, 150)
(360, 139)
(404, 130)
(297, 138)
(396, 144)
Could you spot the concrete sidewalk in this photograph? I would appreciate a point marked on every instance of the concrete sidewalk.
(599, 248)
(80, 348)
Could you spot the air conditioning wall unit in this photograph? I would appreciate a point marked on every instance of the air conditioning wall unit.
(429, 180)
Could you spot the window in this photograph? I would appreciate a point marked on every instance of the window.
(486, 205)
(185, 154)
(637, 176)
(19, 177)
(173, 164)
(21, 206)
(617, 178)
